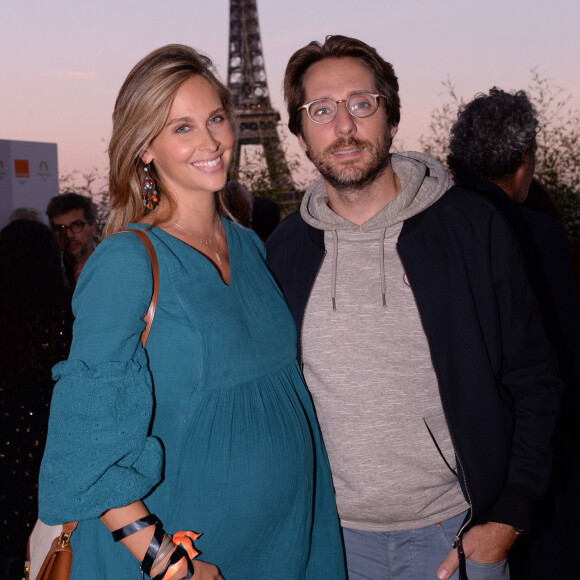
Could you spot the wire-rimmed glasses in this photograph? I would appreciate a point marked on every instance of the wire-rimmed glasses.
(360, 105)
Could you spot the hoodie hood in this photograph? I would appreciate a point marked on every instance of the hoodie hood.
(423, 181)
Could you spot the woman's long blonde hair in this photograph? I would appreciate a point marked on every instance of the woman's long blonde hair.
(141, 112)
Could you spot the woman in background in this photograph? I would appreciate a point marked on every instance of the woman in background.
(35, 334)
(210, 427)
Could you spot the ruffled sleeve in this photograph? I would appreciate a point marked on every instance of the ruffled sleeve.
(99, 452)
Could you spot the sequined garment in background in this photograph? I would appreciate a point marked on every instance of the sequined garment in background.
(24, 410)
(35, 334)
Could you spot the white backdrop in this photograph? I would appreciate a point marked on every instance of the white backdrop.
(28, 176)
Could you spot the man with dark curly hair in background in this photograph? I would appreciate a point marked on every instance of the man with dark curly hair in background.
(492, 152)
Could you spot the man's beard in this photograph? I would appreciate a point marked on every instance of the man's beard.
(350, 177)
(79, 253)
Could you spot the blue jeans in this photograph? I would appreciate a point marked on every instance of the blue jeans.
(410, 555)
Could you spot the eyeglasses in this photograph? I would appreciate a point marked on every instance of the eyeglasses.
(360, 105)
(75, 227)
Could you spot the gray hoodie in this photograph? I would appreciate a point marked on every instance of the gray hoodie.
(368, 367)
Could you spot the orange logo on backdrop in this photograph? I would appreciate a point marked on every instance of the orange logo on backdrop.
(21, 168)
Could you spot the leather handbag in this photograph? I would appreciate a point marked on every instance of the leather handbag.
(49, 550)
(58, 560)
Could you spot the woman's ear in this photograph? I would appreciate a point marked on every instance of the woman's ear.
(146, 156)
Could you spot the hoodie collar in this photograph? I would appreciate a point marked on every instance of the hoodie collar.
(423, 181)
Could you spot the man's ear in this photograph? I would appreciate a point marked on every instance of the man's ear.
(393, 130)
(528, 157)
(302, 143)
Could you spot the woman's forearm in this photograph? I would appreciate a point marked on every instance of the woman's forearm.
(116, 518)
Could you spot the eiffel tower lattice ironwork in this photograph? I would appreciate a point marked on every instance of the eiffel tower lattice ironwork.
(247, 82)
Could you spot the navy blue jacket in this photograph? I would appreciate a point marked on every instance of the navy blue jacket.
(493, 363)
(545, 250)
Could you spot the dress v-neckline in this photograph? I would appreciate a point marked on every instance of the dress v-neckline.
(226, 226)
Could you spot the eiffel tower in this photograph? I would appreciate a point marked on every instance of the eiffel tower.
(247, 82)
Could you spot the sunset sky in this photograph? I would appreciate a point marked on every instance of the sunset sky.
(64, 61)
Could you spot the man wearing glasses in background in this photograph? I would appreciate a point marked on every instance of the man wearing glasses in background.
(418, 335)
(73, 219)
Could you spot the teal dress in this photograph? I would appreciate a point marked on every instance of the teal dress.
(211, 425)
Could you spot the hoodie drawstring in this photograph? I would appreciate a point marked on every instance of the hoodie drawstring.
(334, 268)
(382, 266)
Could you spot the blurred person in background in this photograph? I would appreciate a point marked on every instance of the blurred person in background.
(265, 216)
(35, 334)
(492, 152)
(239, 201)
(73, 218)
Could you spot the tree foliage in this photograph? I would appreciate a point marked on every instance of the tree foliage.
(436, 142)
(558, 154)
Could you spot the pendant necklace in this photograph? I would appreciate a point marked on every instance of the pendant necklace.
(207, 242)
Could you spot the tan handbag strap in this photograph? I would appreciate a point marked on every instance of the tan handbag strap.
(69, 527)
(148, 318)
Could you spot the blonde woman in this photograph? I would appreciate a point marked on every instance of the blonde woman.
(210, 428)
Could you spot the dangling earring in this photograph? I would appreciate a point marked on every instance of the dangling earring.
(148, 191)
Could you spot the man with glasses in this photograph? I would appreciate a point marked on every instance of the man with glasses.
(73, 219)
(433, 386)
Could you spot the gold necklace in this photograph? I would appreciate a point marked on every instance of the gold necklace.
(207, 242)
(204, 241)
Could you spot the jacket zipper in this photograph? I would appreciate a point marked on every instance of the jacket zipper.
(457, 540)
(460, 532)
